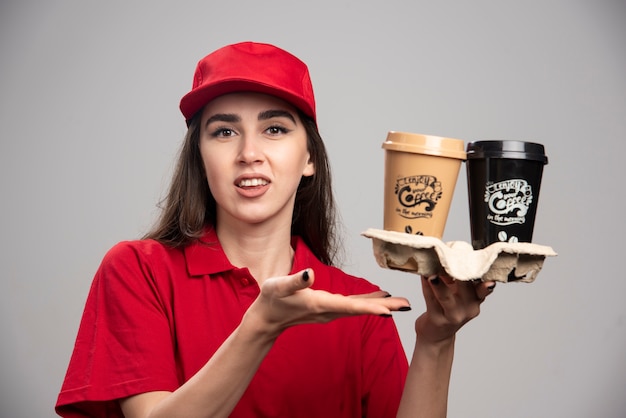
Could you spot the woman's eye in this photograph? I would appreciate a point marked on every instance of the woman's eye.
(276, 130)
(222, 133)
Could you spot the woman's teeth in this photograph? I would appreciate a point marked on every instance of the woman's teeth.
(252, 182)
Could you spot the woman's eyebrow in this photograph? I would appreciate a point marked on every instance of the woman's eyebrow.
(269, 114)
(223, 117)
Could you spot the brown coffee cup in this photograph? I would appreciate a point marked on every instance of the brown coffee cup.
(421, 172)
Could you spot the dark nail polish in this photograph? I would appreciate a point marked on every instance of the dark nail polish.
(490, 288)
(388, 295)
(435, 280)
(404, 308)
(385, 315)
(305, 276)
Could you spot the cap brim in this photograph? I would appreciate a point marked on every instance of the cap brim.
(195, 100)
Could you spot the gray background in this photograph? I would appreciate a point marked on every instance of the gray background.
(89, 127)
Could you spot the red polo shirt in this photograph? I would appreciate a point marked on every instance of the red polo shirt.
(155, 315)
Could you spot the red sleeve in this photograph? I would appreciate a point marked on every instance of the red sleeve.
(124, 344)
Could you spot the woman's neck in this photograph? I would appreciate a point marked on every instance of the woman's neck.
(265, 250)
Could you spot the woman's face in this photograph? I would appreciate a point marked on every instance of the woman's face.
(254, 150)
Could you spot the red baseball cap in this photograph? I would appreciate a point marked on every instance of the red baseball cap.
(250, 66)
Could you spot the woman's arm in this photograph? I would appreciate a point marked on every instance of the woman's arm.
(285, 301)
(449, 305)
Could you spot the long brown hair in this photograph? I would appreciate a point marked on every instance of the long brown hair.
(189, 207)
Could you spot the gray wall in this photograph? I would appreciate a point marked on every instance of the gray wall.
(89, 127)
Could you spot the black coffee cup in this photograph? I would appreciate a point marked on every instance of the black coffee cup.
(503, 178)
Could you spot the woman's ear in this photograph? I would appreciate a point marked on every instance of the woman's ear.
(309, 169)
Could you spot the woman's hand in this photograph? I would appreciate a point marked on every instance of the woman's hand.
(450, 304)
(289, 300)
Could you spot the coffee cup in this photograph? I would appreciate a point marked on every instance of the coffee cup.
(503, 180)
(421, 172)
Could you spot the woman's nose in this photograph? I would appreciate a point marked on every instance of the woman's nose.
(250, 151)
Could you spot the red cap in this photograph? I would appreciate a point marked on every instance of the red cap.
(250, 66)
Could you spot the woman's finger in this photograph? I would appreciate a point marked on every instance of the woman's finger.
(484, 289)
(443, 290)
(379, 303)
(429, 283)
(468, 291)
(460, 290)
(458, 301)
(377, 294)
(288, 285)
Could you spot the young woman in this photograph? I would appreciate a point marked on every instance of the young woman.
(232, 305)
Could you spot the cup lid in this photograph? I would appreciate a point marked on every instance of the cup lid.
(507, 149)
(425, 144)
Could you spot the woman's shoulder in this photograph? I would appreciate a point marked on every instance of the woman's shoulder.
(142, 245)
(141, 250)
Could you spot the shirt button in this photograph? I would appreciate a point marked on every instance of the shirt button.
(245, 281)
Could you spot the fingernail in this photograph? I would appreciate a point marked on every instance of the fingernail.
(435, 280)
(404, 308)
(388, 295)
(385, 315)
(305, 275)
(490, 288)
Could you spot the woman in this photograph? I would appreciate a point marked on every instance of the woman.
(231, 306)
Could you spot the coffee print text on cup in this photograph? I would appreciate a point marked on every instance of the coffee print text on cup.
(508, 203)
(417, 198)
